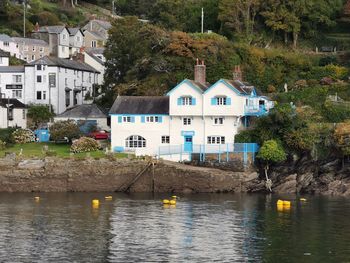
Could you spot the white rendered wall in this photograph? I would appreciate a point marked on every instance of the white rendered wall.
(4, 61)
(237, 102)
(18, 119)
(152, 132)
(184, 90)
(7, 79)
(96, 65)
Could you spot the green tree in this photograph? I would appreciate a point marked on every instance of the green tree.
(64, 129)
(39, 114)
(271, 152)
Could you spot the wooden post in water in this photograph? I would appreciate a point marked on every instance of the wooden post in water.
(153, 176)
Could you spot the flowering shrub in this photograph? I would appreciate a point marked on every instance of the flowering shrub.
(22, 136)
(2, 145)
(85, 144)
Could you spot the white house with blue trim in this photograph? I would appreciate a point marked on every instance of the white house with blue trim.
(193, 117)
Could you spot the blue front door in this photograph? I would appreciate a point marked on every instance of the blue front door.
(188, 145)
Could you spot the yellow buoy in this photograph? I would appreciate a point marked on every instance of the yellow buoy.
(109, 197)
(166, 201)
(303, 199)
(172, 202)
(37, 198)
(280, 202)
(286, 203)
(95, 202)
(174, 197)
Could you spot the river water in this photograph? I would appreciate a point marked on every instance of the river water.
(64, 227)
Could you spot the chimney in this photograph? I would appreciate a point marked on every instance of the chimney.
(79, 57)
(199, 72)
(237, 73)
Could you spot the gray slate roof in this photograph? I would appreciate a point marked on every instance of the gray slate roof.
(13, 102)
(12, 69)
(243, 87)
(4, 53)
(83, 111)
(64, 63)
(30, 41)
(105, 24)
(140, 105)
(95, 51)
(5, 38)
(73, 30)
(51, 29)
(96, 34)
(199, 85)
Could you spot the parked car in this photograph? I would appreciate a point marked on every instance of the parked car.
(99, 135)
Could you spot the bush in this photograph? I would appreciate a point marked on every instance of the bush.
(6, 135)
(2, 145)
(85, 144)
(64, 129)
(22, 136)
(45, 18)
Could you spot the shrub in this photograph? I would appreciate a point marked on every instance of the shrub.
(2, 145)
(6, 135)
(64, 129)
(22, 136)
(85, 144)
(45, 18)
(271, 89)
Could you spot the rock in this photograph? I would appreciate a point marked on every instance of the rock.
(250, 177)
(303, 181)
(31, 164)
(287, 185)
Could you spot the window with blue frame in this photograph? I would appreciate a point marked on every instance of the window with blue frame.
(126, 119)
(221, 100)
(151, 119)
(186, 100)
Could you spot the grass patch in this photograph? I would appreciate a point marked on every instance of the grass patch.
(60, 150)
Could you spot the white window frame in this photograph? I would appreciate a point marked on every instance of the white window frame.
(17, 79)
(152, 119)
(221, 100)
(187, 121)
(17, 94)
(186, 100)
(93, 43)
(41, 49)
(216, 140)
(135, 141)
(165, 139)
(33, 57)
(126, 119)
(33, 48)
(218, 121)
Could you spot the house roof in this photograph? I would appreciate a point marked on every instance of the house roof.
(93, 52)
(95, 34)
(15, 103)
(64, 63)
(201, 86)
(243, 87)
(5, 38)
(74, 30)
(140, 105)
(51, 29)
(30, 41)
(10, 69)
(83, 111)
(4, 53)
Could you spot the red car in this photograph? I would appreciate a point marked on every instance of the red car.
(99, 135)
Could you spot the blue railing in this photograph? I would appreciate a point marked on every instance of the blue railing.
(218, 149)
(255, 110)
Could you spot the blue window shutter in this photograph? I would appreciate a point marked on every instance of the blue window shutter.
(119, 119)
(193, 101)
(142, 118)
(132, 119)
(179, 101)
(228, 101)
(213, 101)
(160, 119)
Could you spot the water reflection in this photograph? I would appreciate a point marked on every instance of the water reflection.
(65, 227)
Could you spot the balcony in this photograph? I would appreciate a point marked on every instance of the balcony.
(255, 110)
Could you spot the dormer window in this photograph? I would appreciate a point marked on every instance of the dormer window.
(221, 100)
(186, 100)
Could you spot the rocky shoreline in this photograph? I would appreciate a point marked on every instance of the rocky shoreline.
(52, 174)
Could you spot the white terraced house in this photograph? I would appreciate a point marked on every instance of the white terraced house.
(194, 117)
